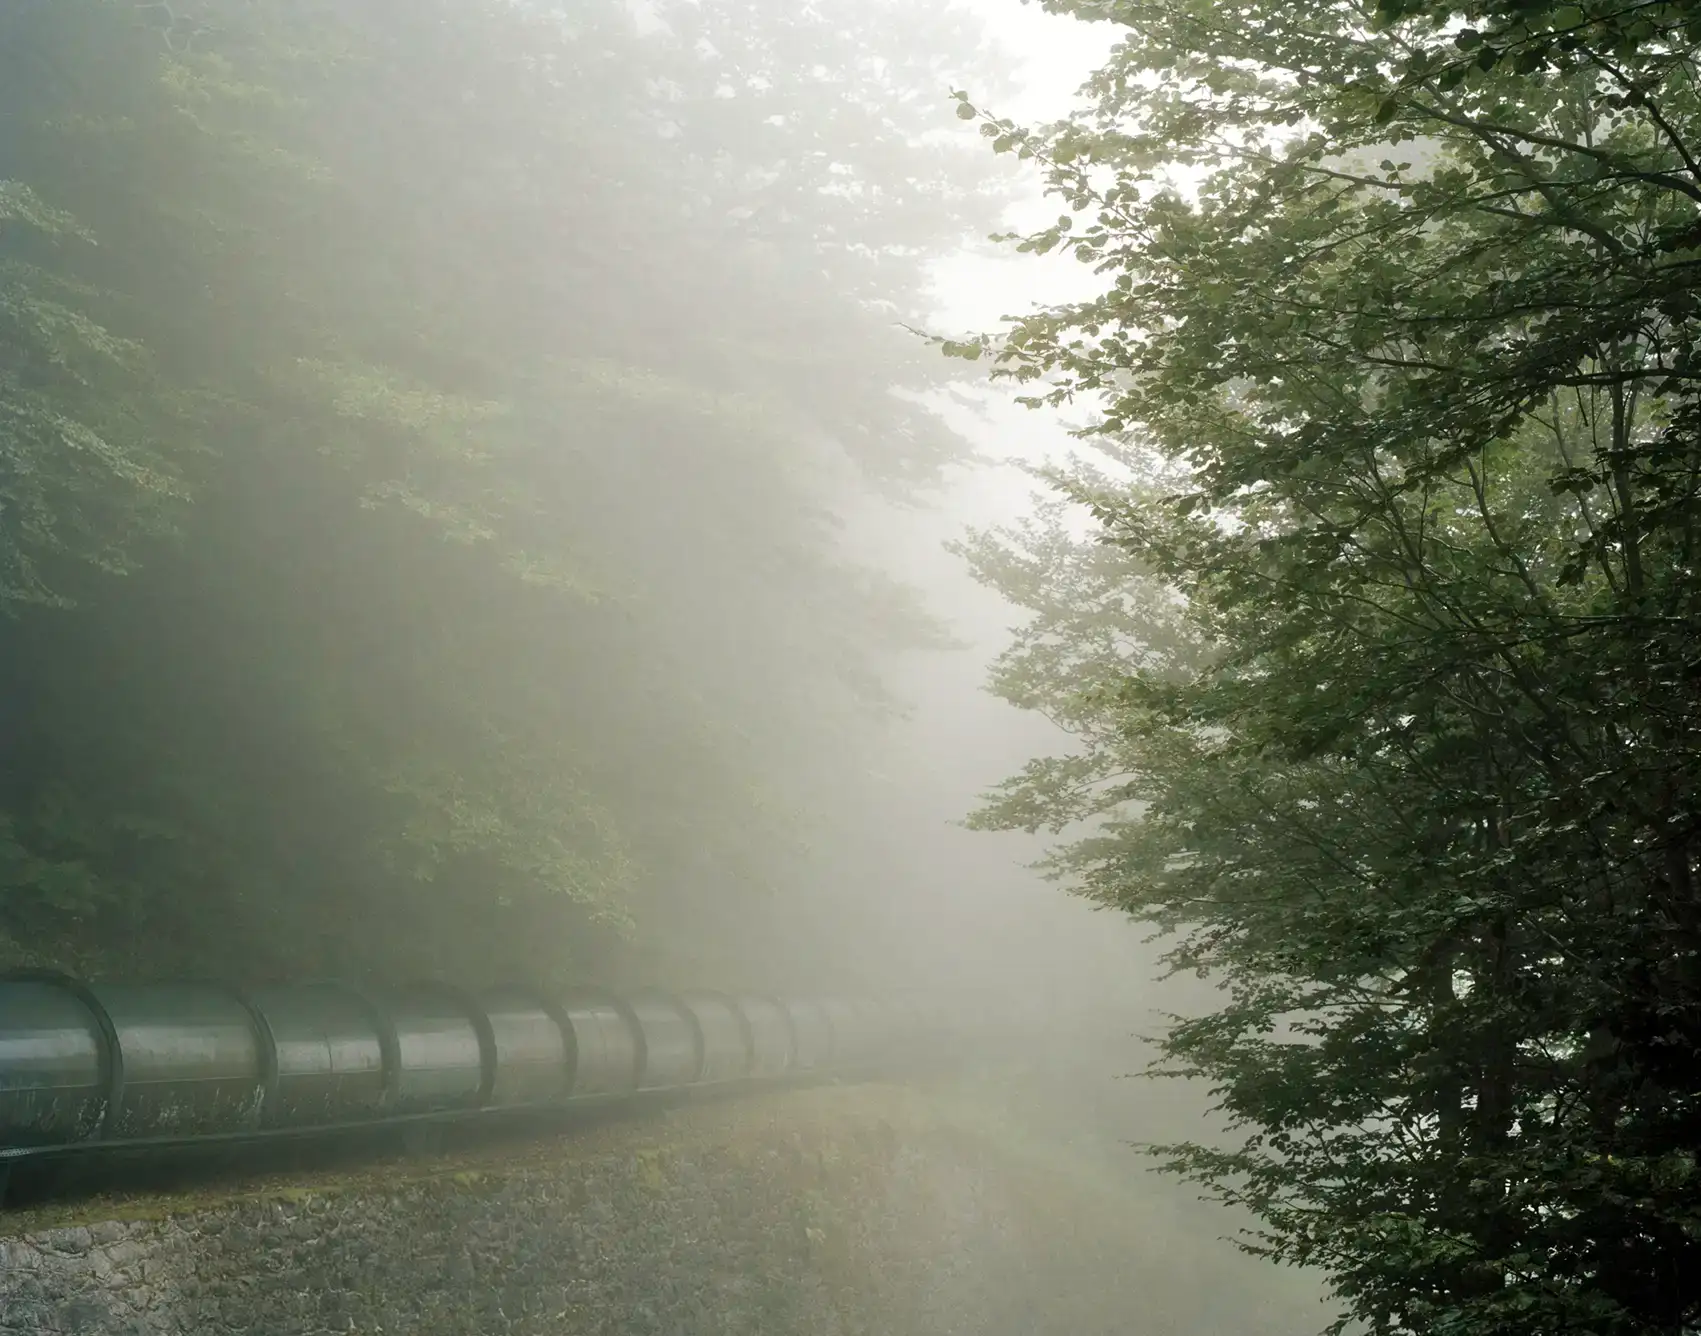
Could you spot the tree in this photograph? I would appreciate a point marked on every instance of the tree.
(501, 617)
(80, 479)
(1400, 320)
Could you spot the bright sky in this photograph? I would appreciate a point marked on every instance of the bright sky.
(1052, 57)
(1056, 54)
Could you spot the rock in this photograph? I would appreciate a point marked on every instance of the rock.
(17, 1255)
(82, 1315)
(24, 1316)
(716, 1239)
(126, 1253)
(76, 1239)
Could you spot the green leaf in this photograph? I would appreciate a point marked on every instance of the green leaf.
(1388, 579)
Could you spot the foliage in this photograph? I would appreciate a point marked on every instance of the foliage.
(1397, 349)
(80, 485)
(468, 473)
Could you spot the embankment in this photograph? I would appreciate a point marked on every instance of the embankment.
(868, 1211)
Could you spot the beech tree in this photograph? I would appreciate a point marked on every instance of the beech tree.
(1395, 356)
(416, 520)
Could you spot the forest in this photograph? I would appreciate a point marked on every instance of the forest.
(427, 435)
(420, 426)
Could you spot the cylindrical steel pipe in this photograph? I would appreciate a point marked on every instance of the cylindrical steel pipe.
(113, 1064)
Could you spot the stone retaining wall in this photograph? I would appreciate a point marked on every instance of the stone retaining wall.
(814, 1213)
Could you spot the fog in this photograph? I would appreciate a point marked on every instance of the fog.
(517, 542)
